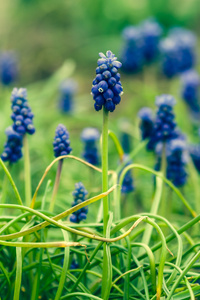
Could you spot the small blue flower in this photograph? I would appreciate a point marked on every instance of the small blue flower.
(67, 91)
(74, 265)
(79, 195)
(186, 43)
(151, 33)
(147, 122)
(126, 142)
(194, 151)
(22, 115)
(191, 89)
(61, 143)
(107, 88)
(164, 125)
(127, 184)
(8, 67)
(132, 54)
(169, 57)
(13, 147)
(89, 137)
(176, 161)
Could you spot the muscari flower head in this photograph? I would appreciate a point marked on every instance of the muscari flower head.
(191, 89)
(194, 151)
(107, 88)
(186, 43)
(79, 195)
(146, 122)
(13, 147)
(164, 125)
(8, 67)
(169, 57)
(177, 159)
(61, 143)
(127, 184)
(22, 115)
(67, 92)
(132, 54)
(89, 137)
(151, 33)
(126, 142)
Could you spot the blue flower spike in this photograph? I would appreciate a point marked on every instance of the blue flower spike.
(13, 147)
(89, 137)
(132, 54)
(79, 195)
(61, 143)
(146, 122)
(169, 57)
(151, 33)
(194, 151)
(67, 90)
(22, 115)
(107, 88)
(8, 67)
(127, 184)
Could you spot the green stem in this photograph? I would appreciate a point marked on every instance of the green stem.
(163, 171)
(4, 188)
(56, 185)
(27, 172)
(106, 252)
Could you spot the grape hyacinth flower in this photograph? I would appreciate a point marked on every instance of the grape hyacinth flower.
(126, 142)
(127, 184)
(164, 125)
(194, 151)
(8, 67)
(169, 57)
(151, 33)
(61, 143)
(176, 161)
(79, 195)
(89, 137)
(191, 90)
(74, 264)
(186, 43)
(13, 147)
(146, 125)
(132, 54)
(22, 115)
(107, 88)
(67, 91)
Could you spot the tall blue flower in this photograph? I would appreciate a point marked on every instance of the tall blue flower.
(67, 91)
(107, 88)
(194, 151)
(151, 33)
(61, 143)
(191, 90)
(127, 184)
(132, 54)
(169, 57)
(13, 147)
(79, 195)
(186, 43)
(146, 125)
(22, 115)
(176, 161)
(8, 67)
(89, 137)
(164, 125)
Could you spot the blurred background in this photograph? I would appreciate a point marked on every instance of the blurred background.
(44, 33)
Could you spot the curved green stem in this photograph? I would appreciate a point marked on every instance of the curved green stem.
(56, 185)
(27, 172)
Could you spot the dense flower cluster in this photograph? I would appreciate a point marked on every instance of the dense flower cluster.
(13, 147)
(151, 34)
(67, 91)
(132, 56)
(107, 88)
(61, 143)
(194, 151)
(178, 52)
(164, 125)
(186, 42)
(146, 122)
(22, 115)
(191, 89)
(176, 161)
(8, 67)
(90, 153)
(79, 195)
(127, 184)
